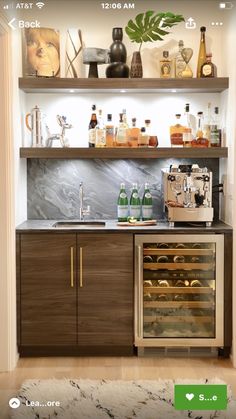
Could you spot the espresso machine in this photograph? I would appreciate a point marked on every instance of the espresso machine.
(188, 194)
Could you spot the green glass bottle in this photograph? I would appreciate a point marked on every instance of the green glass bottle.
(122, 204)
(135, 203)
(147, 203)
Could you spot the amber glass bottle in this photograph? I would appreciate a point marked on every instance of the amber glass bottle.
(202, 51)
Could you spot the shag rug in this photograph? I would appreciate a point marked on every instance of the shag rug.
(86, 399)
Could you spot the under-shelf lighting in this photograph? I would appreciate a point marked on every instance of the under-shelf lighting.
(122, 91)
(173, 91)
(72, 91)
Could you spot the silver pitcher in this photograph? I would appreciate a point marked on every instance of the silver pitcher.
(35, 127)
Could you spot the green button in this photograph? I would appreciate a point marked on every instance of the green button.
(201, 397)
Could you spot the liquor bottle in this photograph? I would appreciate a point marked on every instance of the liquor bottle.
(176, 132)
(165, 66)
(153, 140)
(208, 69)
(122, 131)
(202, 51)
(187, 137)
(186, 121)
(147, 203)
(135, 204)
(110, 138)
(100, 131)
(208, 123)
(215, 138)
(179, 62)
(122, 204)
(143, 138)
(200, 140)
(92, 125)
(133, 134)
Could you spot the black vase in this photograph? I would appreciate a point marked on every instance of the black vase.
(118, 55)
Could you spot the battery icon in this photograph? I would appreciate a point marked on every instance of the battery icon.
(226, 5)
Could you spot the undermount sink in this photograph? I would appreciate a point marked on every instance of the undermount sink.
(79, 224)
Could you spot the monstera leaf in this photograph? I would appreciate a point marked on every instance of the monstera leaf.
(149, 27)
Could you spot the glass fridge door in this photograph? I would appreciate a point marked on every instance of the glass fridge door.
(178, 284)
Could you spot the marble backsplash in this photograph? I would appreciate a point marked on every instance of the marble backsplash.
(53, 185)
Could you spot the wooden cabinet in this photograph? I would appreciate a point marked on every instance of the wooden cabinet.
(47, 299)
(75, 293)
(105, 296)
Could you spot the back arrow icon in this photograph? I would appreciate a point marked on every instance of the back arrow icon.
(11, 23)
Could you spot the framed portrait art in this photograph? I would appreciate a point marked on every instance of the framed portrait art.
(41, 57)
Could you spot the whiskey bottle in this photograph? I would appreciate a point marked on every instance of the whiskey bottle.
(133, 134)
(122, 131)
(147, 203)
(143, 138)
(135, 204)
(202, 51)
(179, 62)
(109, 132)
(100, 131)
(153, 140)
(200, 140)
(165, 66)
(208, 69)
(122, 204)
(176, 132)
(92, 125)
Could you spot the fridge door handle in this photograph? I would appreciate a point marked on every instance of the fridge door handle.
(140, 314)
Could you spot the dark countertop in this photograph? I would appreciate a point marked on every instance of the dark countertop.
(45, 226)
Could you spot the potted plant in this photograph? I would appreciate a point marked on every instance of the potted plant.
(148, 27)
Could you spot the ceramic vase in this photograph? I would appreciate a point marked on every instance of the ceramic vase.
(118, 55)
(136, 69)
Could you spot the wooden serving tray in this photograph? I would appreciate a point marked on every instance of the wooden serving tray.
(138, 223)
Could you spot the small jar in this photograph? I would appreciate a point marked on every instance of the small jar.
(187, 137)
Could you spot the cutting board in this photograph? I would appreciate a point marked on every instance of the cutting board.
(138, 223)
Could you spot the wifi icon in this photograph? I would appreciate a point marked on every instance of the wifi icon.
(40, 4)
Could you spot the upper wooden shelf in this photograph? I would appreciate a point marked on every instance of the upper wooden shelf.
(122, 153)
(66, 85)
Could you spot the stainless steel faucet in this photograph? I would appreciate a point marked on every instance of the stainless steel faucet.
(82, 211)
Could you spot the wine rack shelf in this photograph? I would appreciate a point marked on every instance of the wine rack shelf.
(177, 319)
(178, 290)
(184, 252)
(103, 85)
(178, 304)
(173, 266)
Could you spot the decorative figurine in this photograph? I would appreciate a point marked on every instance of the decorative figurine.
(187, 54)
(93, 57)
(61, 137)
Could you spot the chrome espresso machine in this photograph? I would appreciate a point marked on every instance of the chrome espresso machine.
(188, 194)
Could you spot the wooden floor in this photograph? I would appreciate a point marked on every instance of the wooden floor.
(132, 368)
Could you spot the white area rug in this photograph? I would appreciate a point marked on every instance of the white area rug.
(86, 399)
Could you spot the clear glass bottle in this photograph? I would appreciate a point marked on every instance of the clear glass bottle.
(143, 139)
(133, 134)
(187, 122)
(122, 131)
(92, 124)
(208, 123)
(200, 140)
(122, 204)
(147, 203)
(100, 131)
(202, 51)
(208, 69)
(179, 61)
(135, 203)
(110, 137)
(153, 140)
(187, 137)
(165, 66)
(176, 132)
(216, 132)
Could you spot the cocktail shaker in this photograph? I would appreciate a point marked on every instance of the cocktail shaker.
(35, 127)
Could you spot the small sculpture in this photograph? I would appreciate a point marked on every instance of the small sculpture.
(93, 57)
(187, 54)
(61, 137)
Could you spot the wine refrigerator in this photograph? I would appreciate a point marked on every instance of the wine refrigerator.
(179, 291)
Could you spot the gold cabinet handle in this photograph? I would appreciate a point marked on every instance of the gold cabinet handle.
(81, 267)
(72, 267)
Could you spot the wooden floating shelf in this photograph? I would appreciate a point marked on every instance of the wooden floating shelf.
(123, 153)
(144, 85)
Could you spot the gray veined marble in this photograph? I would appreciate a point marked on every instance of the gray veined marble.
(53, 185)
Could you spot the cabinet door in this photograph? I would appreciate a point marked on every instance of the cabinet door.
(48, 297)
(105, 294)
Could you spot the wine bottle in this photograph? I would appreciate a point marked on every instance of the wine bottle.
(122, 204)
(147, 203)
(135, 204)
(202, 51)
(109, 131)
(92, 125)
